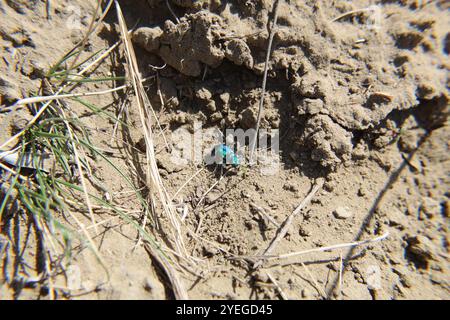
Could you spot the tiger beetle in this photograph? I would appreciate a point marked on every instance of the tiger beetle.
(225, 155)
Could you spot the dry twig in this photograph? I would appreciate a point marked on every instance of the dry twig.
(287, 223)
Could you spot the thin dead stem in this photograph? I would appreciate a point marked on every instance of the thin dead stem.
(281, 233)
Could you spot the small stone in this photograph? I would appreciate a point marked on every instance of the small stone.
(381, 142)
(306, 294)
(244, 194)
(164, 161)
(360, 152)
(342, 213)
(211, 197)
(408, 141)
(290, 187)
(251, 224)
(9, 90)
(148, 285)
(225, 97)
(180, 118)
(329, 185)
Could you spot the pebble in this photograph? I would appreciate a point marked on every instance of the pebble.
(225, 97)
(148, 285)
(342, 213)
(290, 187)
(211, 197)
(306, 294)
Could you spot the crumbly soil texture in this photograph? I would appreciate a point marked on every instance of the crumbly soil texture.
(358, 91)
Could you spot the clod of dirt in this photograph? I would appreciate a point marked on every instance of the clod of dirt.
(404, 275)
(422, 250)
(330, 142)
(187, 45)
(342, 213)
(197, 4)
(238, 52)
(310, 106)
(165, 162)
(148, 38)
(9, 90)
(248, 118)
(203, 94)
(13, 122)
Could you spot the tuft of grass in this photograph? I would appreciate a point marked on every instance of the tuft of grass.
(57, 197)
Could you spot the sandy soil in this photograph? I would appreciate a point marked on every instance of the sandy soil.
(359, 92)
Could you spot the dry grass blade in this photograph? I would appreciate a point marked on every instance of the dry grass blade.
(80, 170)
(179, 291)
(185, 183)
(341, 267)
(333, 247)
(69, 95)
(154, 180)
(350, 13)
(263, 89)
(277, 286)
